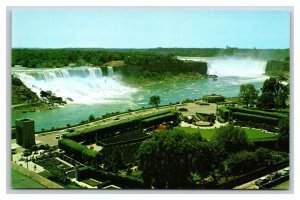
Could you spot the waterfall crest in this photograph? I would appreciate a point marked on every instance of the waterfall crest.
(81, 84)
(232, 66)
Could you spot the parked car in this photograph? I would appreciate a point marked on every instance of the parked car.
(273, 176)
(284, 172)
(57, 136)
(261, 181)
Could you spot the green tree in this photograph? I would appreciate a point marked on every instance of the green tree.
(169, 159)
(240, 162)
(92, 117)
(230, 139)
(154, 101)
(248, 93)
(274, 94)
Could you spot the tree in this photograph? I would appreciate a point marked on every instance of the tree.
(154, 101)
(241, 162)
(169, 159)
(274, 94)
(91, 118)
(248, 93)
(229, 139)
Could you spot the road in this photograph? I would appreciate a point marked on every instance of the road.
(49, 137)
(251, 184)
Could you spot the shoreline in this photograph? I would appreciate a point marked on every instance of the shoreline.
(24, 108)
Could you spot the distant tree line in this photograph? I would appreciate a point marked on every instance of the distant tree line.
(49, 58)
(62, 57)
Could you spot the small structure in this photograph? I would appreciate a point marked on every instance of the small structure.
(213, 98)
(202, 123)
(25, 132)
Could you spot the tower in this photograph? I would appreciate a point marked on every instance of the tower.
(25, 132)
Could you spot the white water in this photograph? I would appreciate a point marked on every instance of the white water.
(232, 66)
(82, 84)
(110, 71)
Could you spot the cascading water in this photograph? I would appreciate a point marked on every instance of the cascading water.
(81, 84)
(110, 71)
(232, 66)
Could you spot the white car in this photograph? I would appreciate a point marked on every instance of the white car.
(57, 136)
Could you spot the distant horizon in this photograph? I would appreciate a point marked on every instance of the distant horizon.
(141, 28)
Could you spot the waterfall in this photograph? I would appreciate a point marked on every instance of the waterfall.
(81, 84)
(110, 71)
(232, 66)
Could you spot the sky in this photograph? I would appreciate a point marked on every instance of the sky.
(150, 28)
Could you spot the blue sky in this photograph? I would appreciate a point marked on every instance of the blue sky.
(150, 28)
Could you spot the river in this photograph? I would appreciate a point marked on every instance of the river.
(93, 93)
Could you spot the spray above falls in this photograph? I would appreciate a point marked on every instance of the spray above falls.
(232, 66)
(81, 84)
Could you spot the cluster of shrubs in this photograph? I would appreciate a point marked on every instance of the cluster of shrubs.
(246, 161)
(111, 114)
(187, 101)
(127, 136)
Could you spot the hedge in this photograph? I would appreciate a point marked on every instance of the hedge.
(158, 119)
(124, 125)
(255, 118)
(130, 135)
(224, 112)
(119, 180)
(80, 151)
(83, 173)
(213, 98)
(200, 116)
(128, 141)
(257, 112)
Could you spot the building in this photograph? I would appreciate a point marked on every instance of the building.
(213, 98)
(25, 132)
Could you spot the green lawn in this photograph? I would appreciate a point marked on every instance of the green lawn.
(91, 182)
(20, 181)
(253, 135)
(282, 186)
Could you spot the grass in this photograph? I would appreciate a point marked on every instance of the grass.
(253, 134)
(20, 181)
(282, 186)
(91, 182)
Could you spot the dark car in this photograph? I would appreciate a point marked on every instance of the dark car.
(261, 181)
(273, 176)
